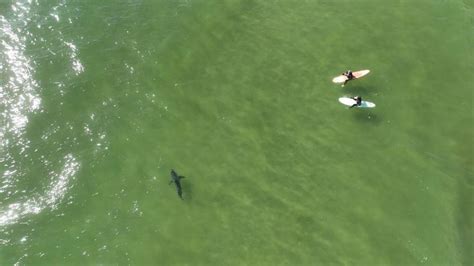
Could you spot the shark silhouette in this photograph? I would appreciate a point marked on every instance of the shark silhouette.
(176, 179)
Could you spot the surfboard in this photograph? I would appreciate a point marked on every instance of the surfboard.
(349, 102)
(357, 74)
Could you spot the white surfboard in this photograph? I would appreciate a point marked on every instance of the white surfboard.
(357, 74)
(349, 102)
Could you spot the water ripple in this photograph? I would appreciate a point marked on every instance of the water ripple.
(76, 63)
(19, 98)
(51, 198)
(18, 92)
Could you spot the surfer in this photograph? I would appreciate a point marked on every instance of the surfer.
(358, 100)
(349, 76)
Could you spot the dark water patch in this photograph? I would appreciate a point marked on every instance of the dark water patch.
(360, 90)
(465, 222)
(367, 117)
(468, 5)
(188, 190)
(465, 201)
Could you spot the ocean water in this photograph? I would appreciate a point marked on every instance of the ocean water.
(100, 99)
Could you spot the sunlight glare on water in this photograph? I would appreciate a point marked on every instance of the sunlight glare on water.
(19, 98)
(100, 99)
(53, 195)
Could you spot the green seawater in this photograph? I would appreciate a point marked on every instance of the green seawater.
(99, 100)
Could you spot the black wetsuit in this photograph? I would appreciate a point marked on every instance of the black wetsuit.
(349, 76)
(358, 100)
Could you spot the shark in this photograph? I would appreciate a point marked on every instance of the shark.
(176, 179)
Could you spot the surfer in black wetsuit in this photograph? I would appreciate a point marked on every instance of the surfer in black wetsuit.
(358, 100)
(349, 76)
